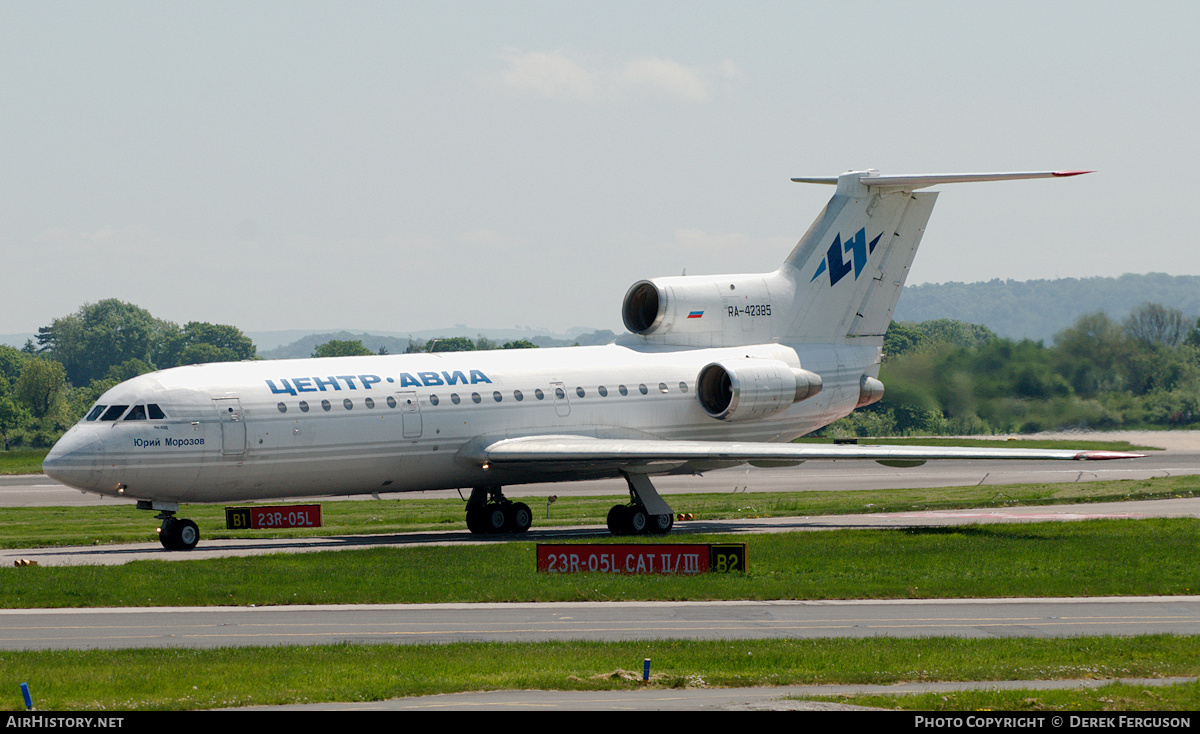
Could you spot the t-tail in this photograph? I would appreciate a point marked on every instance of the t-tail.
(841, 282)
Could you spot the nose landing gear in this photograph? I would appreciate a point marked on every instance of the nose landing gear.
(176, 534)
(173, 532)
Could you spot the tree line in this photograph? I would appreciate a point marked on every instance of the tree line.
(947, 377)
(46, 386)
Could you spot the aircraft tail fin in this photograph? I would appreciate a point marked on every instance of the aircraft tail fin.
(848, 268)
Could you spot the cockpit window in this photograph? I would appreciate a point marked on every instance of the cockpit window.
(96, 411)
(155, 412)
(138, 413)
(114, 412)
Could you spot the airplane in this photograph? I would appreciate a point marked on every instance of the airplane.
(716, 371)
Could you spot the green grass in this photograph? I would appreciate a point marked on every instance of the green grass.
(182, 679)
(30, 527)
(22, 461)
(1087, 558)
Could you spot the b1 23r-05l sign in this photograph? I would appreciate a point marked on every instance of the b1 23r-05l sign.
(279, 516)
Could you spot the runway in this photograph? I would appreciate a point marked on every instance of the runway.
(208, 627)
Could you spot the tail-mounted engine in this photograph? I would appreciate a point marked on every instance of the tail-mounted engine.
(745, 389)
(703, 311)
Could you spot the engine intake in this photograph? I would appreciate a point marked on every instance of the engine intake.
(644, 307)
(746, 389)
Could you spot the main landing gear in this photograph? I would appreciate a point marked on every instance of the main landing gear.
(646, 514)
(173, 532)
(489, 512)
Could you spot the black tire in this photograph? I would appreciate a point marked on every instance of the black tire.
(495, 518)
(661, 524)
(618, 520)
(475, 520)
(168, 533)
(520, 517)
(639, 521)
(187, 535)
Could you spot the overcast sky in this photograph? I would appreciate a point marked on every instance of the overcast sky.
(411, 165)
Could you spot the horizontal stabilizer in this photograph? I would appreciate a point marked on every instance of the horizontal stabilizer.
(909, 182)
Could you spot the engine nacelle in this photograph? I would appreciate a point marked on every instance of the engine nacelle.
(720, 310)
(746, 389)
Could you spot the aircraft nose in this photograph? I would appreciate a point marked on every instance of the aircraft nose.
(74, 458)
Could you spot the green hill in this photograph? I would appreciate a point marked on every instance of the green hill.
(1039, 309)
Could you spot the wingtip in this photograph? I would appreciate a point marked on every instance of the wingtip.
(1106, 455)
(1063, 174)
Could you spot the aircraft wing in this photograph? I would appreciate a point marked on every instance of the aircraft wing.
(585, 451)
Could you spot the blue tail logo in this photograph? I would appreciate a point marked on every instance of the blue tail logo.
(857, 247)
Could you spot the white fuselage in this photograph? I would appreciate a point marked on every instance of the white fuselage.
(359, 425)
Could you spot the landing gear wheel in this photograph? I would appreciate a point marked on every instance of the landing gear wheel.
(488, 512)
(476, 520)
(661, 524)
(178, 534)
(638, 520)
(629, 520)
(495, 519)
(520, 517)
(618, 520)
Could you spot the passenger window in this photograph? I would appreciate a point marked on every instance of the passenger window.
(497, 396)
(114, 412)
(579, 391)
(454, 398)
(96, 411)
(325, 405)
(348, 404)
(683, 387)
(303, 406)
(537, 393)
(433, 400)
(662, 387)
(622, 389)
(155, 412)
(475, 397)
(642, 389)
(282, 407)
(603, 391)
(391, 401)
(518, 396)
(370, 403)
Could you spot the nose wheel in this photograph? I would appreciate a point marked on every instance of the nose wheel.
(178, 534)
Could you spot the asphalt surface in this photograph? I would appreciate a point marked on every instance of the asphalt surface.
(209, 627)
